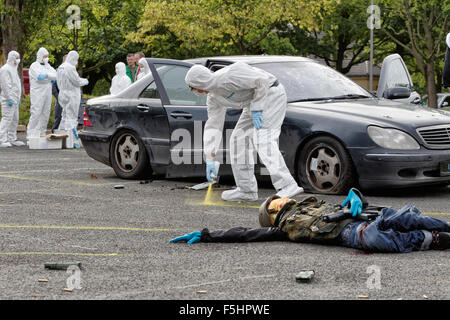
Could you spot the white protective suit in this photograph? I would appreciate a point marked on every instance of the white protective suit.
(241, 86)
(40, 95)
(11, 89)
(120, 81)
(143, 71)
(69, 84)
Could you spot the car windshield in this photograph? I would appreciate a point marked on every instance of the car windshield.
(310, 81)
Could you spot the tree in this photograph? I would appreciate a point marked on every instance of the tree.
(181, 28)
(101, 38)
(419, 27)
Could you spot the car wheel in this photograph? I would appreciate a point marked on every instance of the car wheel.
(129, 158)
(326, 167)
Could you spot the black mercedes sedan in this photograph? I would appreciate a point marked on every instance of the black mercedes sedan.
(336, 135)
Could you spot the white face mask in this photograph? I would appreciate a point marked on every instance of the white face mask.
(17, 61)
(46, 60)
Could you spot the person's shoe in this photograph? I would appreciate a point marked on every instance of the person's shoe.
(290, 191)
(5, 145)
(441, 241)
(238, 195)
(17, 143)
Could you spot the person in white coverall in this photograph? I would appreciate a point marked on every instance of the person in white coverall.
(42, 75)
(144, 69)
(11, 92)
(69, 84)
(120, 81)
(264, 103)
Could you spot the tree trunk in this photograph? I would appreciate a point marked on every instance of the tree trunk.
(12, 33)
(431, 85)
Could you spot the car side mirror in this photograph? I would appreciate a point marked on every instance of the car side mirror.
(397, 93)
(445, 104)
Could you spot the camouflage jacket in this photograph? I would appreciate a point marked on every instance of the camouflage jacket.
(303, 221)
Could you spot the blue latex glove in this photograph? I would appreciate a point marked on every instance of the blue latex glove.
(10, 102)
(190, 238)
(210, 170)
(42, 76)
(258, 119)
(53, 81)
(355, 203)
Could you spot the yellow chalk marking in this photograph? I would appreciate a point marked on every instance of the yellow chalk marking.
(83, 228)
(436, 214)
(81, 183)
(62, 254)
(214, 201)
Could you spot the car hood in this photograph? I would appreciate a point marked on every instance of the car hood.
(377, 112)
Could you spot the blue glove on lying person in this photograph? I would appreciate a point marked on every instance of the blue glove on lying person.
(190, 238)
(355, 202)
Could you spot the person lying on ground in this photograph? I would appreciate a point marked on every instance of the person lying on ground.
(353, 224)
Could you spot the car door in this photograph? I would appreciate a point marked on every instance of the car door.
(186, 114)
(395, 74)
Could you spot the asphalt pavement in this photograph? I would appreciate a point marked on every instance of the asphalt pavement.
(62, 207)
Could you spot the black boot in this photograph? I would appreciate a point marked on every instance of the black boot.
(441, 241)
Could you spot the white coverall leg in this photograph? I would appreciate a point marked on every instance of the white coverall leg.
(8, 125)
(265, 141)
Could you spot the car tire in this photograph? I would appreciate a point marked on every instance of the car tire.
(128, 156)
(330, 167)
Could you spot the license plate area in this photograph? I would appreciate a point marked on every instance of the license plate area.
(445, 168)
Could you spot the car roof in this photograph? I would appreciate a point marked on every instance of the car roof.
(251, 59)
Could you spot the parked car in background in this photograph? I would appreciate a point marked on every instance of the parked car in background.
(443, 101)
(336, 134)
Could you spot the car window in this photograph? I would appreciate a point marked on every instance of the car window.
(446, 102)
(309, 80)
(397, 75)
(151, 92)
(179, 93)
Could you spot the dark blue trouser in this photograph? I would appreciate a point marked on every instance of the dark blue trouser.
(394, 231)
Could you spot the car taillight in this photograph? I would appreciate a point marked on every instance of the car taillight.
(86, 121)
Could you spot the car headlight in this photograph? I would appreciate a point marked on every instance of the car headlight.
(392, 139)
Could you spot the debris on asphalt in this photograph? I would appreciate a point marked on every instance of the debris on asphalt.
(305, 276)
(146, 182)
(119, 186)
(93, 176)
(42, 280)
(425, 297)
(68, 290)
(202, 292)
(363, 297)
(62, 266)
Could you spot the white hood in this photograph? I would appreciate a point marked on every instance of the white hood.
(200, 77)
(12, 56)
(72, 58)
(40, 55)
(121, 69)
